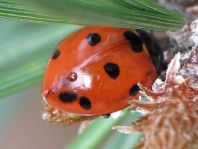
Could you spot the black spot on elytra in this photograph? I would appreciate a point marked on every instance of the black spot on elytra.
(85, 103)
(134, 90)
(135, 41)
(93, 39)
(55, 54)
(112, 70)
(67, 96)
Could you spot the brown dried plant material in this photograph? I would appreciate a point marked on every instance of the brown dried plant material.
(172, 125)
(172, 119)
(178, 4)
(193, 10)
(172, 122)
(184, 2)
(54, 115)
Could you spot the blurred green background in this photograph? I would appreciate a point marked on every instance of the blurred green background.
(29, 32)
(25, 48)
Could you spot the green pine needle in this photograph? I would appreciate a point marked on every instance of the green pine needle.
(123, 13)
(13, 11)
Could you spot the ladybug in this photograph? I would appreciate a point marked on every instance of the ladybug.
(95, 70)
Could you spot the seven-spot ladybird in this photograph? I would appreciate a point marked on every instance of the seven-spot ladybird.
(95, 70)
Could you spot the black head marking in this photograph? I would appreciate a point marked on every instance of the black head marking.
(85, 103)
(55, 54)
(67, 97)
(134, 90)
(112, 70)
(93, 39)
(164, 66)
(135, 41)
(153, 48)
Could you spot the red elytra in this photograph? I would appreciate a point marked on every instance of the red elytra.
(95, 71)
